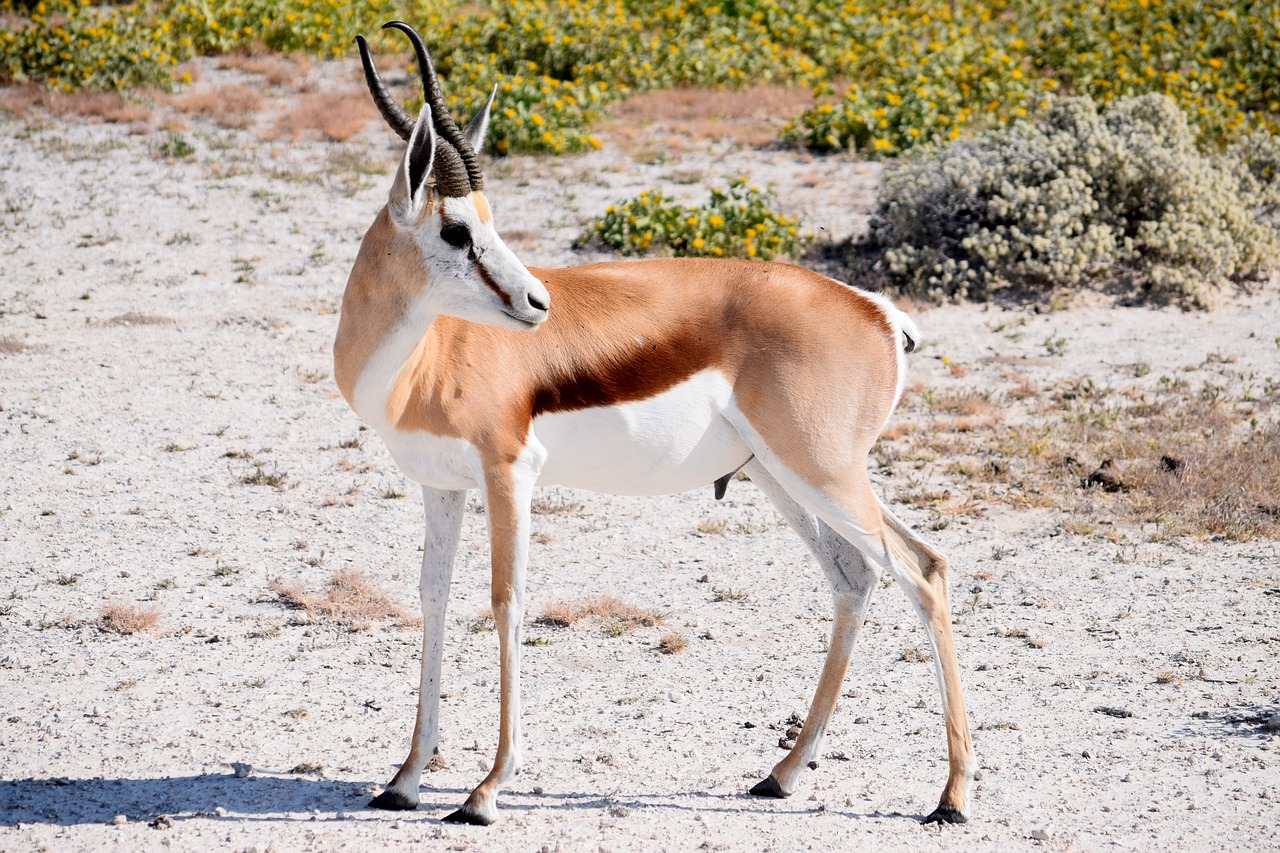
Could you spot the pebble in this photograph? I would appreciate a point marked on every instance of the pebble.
(1273, 723)
(1039, 835)
(119, 820)
(220, 811)
(241, 769)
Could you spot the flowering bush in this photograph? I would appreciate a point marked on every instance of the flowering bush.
(1080, 197)
(918, 70)
(739, 223)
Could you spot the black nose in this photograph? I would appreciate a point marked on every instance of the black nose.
(536, 303)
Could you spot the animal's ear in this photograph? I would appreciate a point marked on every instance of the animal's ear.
(409, 192)
(479, 125)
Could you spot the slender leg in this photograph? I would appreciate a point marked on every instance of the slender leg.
(852, 582)
(924, 577)
(849, 505)
(444, 526)
(509, 492)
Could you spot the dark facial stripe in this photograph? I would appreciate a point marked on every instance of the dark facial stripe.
(490, 283)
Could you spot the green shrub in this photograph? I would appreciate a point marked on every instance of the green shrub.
(72, 46)
(918, 70)
(737, 223)
(1080, 197)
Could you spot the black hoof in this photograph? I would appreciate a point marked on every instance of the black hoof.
(946, 814)
(393, 802)
(466, 815)
(769, 787)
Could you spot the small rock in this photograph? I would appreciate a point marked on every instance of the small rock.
(119, 820)
(860, 721)
(241, 769)
(783, 743)
(1039, 835)
(341, 815)
(1119, 713)
(793, 733)
(705, 579)
(1273, 723)
(748, 725)
(537, 790)
(220, 811)
(921, 704)
(1086, 754)
(1172, 464)
(161, 821)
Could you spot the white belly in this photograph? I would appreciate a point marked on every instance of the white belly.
(674, 442)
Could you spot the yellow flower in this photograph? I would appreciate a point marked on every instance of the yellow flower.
(716, 221)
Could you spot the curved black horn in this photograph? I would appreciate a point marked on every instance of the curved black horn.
(401, 122)
(434, 96)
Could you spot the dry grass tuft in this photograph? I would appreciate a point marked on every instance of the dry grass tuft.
(351, 600)
(9, 345)
(607, 608)
(672, 643)
(278, 70)
(107, 106)
(121, 618)
(234, 106)
(746, 116)
(336, 116)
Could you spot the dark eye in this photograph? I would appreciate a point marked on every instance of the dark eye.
(458, 236)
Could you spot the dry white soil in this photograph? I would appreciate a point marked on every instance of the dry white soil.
(166, 321)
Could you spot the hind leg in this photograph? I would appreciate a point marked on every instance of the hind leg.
(923, 576)
(852, 581)
(850, 507)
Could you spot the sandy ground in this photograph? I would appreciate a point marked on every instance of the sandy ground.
(166, 327)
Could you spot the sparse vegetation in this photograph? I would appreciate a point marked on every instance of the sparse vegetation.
(351, 600)
(1192, 457)
(615, 616)
(118, 617)
(672, 643)
(260, 476)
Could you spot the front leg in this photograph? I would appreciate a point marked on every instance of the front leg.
(509, 491)
(444, 526)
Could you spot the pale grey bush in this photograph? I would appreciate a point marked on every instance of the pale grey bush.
(1080, 198)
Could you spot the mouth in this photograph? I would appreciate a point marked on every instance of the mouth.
(526, 321)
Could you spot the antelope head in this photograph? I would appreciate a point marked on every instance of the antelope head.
(435, 242)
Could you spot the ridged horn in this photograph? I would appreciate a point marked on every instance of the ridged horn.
(431, 91)
(399, 120)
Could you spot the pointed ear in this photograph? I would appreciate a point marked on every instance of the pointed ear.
(479, 125)
(409, 192)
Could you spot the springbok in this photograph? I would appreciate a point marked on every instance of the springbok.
(647, 377)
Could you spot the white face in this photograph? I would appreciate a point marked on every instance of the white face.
(472, 273)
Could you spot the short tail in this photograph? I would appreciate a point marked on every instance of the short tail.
(907, 328)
